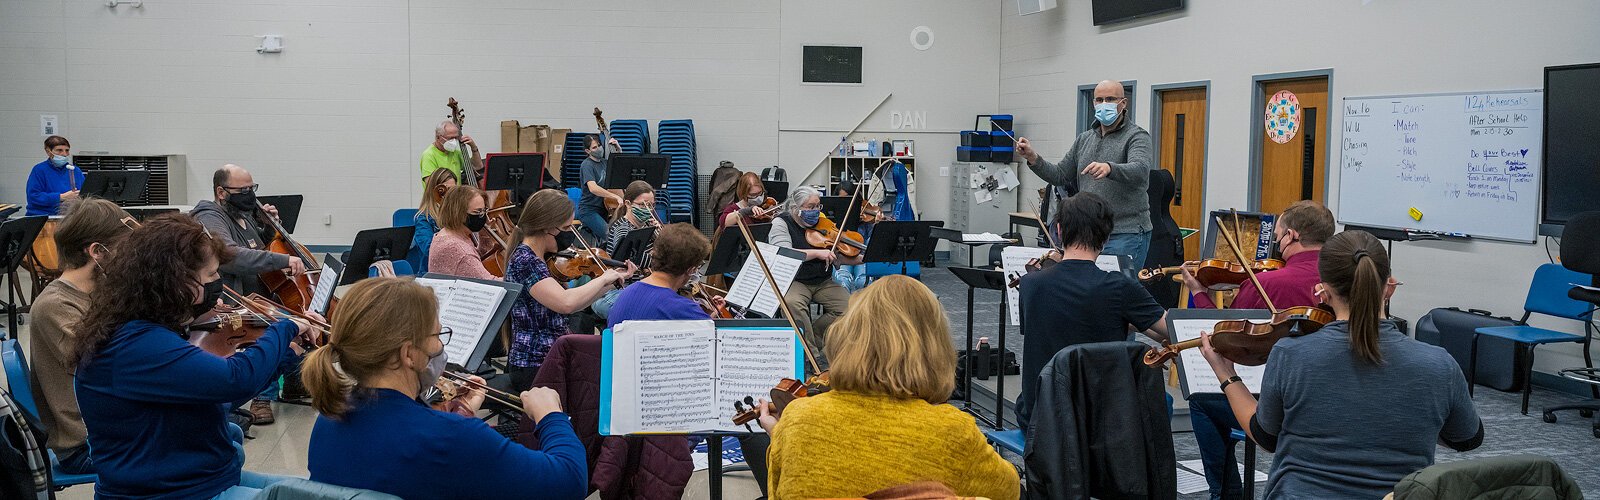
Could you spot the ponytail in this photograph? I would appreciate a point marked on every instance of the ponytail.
(1355, 267)
(330, 390)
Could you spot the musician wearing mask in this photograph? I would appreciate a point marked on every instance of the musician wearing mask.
(592, 176)
(454, 251)
(445, 153)
(156, 406)
(426, 221)
(90, 230)
(1299, 234)
(55, 180)
(1111, 160)
(1073, 301)
(814, 282)
(884, 423)
(679, 251)
(1349, 410)
(374, 434)
(231, 216)
(640, 203)
(751, 193)
(539, 315)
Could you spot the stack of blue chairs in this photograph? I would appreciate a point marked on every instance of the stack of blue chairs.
(677, 140)
(632, 135)
(572, 158)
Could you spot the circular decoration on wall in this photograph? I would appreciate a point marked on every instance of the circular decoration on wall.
(922, 38)
(1283, 116)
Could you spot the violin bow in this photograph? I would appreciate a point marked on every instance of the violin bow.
(783, 305)
(1234, 244)
(1048, 238)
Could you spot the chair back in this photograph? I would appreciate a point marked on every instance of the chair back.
(1548, 293)
(403, 217)
(305, 489)
(1580, 243)
(1513, 476)
(16, 366)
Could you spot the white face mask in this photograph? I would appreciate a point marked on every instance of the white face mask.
(452, 145)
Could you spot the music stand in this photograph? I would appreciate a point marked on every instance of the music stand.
(624, 168)
(16, 241)
(729, 253)
(838, 209)
(902, 241)
(514, 172)
(288, 206)
(120, 186)
(372, 245)
(327, 281)
(777, 190)
(986, 279)
(475, 361)
(632, 246)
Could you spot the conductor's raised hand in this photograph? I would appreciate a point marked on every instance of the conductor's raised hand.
(1025, 149)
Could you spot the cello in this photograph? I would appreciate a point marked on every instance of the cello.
(613, 207)
(293, 290)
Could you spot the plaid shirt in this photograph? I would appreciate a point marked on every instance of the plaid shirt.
(534, 327)
(23, 447)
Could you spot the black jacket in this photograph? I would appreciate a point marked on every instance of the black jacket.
(1100, 427)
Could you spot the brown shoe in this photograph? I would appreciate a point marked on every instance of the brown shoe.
(261, 412)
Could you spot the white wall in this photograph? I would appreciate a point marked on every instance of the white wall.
(342, 114)
(1384, 47)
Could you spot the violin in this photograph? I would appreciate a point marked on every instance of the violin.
(265, 310)
(452, 386)
(826, 235)
(568, 265)
(780, 396)
(1247, 342)
(1213, 273)
(241, 326)
(698, 292)
(873, 213)
(765, 211)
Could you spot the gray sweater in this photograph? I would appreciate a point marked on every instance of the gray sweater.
(250, 257)
(1127, 149)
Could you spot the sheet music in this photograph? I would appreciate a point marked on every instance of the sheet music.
(749, 363)
(327, 280)
(1014, 260)
(674, 361)
(1197, 374)
(751, 287)
(467, 314)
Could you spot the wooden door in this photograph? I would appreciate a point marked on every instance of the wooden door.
(1296, 170)
(1183, 153)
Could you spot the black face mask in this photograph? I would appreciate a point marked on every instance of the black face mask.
(565, 239)
(212, 292)
(475, 222)
(243, 202)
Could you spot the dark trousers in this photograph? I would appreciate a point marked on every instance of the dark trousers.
(77, 460)
(1214, 423)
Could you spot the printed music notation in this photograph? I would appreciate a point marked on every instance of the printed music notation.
(749, 363)
(466, 308)
(750, 288)
(683, 376)
(675, 370)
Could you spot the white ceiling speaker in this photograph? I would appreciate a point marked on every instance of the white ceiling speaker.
(922, 38)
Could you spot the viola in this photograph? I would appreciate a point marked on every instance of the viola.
(1213, 273)
(700, 294)
(779, 397)
(1248, 342)
(266, 310)
(824, 234)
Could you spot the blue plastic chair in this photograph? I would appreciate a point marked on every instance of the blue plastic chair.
(1010, 440)
(1547, 295)
(16, 366)
(401, 268)
(403, 217)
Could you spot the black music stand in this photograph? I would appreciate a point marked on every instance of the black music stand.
(327, 281)
(988, 280)
(120, 186)
(632, 246)
(16, 241)
(142, 214)
(516, 172)
(902, 241)
(624, 168)
(730, 250)
(777, 190)
(839, 209)
(489, 335)
(372, 245)
(288, 206)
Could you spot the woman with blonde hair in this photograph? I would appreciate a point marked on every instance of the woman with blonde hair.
(463, 213)
(884, 423)
(385, 350)
(426, 221)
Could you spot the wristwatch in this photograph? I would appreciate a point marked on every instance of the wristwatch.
(1230, 380)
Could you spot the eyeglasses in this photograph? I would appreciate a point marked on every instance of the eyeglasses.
(130, 222)
(444, 335)
(1103, 100)
(243, 189)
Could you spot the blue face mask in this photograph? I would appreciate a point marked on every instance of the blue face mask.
(1106, 113)
(58, 160)
(810, 217)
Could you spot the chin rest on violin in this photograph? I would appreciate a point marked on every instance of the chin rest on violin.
(1247, 342)
(1213, 273)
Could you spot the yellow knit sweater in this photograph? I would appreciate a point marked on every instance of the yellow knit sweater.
(842, 444)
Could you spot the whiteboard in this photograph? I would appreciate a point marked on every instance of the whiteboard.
(1468, 162)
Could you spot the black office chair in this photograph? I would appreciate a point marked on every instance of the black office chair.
(1580, 251)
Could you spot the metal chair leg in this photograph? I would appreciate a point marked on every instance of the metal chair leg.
(1472, 367)
(1527, 379)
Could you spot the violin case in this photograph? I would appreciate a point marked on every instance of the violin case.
(1500, 361)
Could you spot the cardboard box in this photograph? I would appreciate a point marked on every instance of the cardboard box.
(508, 136)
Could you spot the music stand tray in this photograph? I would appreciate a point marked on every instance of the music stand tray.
(516, 172)
(120, 186)
(491, 333)
(288, 206)
(624, 168)
(728, 254)
(777, 190)
(632, 246)
(372, 245)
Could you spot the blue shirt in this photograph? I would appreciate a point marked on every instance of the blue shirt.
(421, 240)
(46, 183)
(389, 442)
(534, 327)
(156, 408)
(644, 301)
(591, 170)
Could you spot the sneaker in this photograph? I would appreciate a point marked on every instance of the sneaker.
(261, 412)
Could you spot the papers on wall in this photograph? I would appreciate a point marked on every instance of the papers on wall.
(1197, 374)
(682, 377)
(466, 308)
(751, 290)
(1014, 260)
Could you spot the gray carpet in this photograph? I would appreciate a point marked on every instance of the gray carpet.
(1507, 431)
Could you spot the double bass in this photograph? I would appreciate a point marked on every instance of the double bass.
(613, 207)
(494, 247)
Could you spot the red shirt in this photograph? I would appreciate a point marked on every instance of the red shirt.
(1291, 286)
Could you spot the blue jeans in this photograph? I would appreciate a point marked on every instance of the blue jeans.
(76, 460)
(1214, 423)
(594, 224)
(1132, 246)
(852, 278)
(602, 305)
(288, 365)
(250, 483)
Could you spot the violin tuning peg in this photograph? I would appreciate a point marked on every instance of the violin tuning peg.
(738, 407)
(750, 401)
